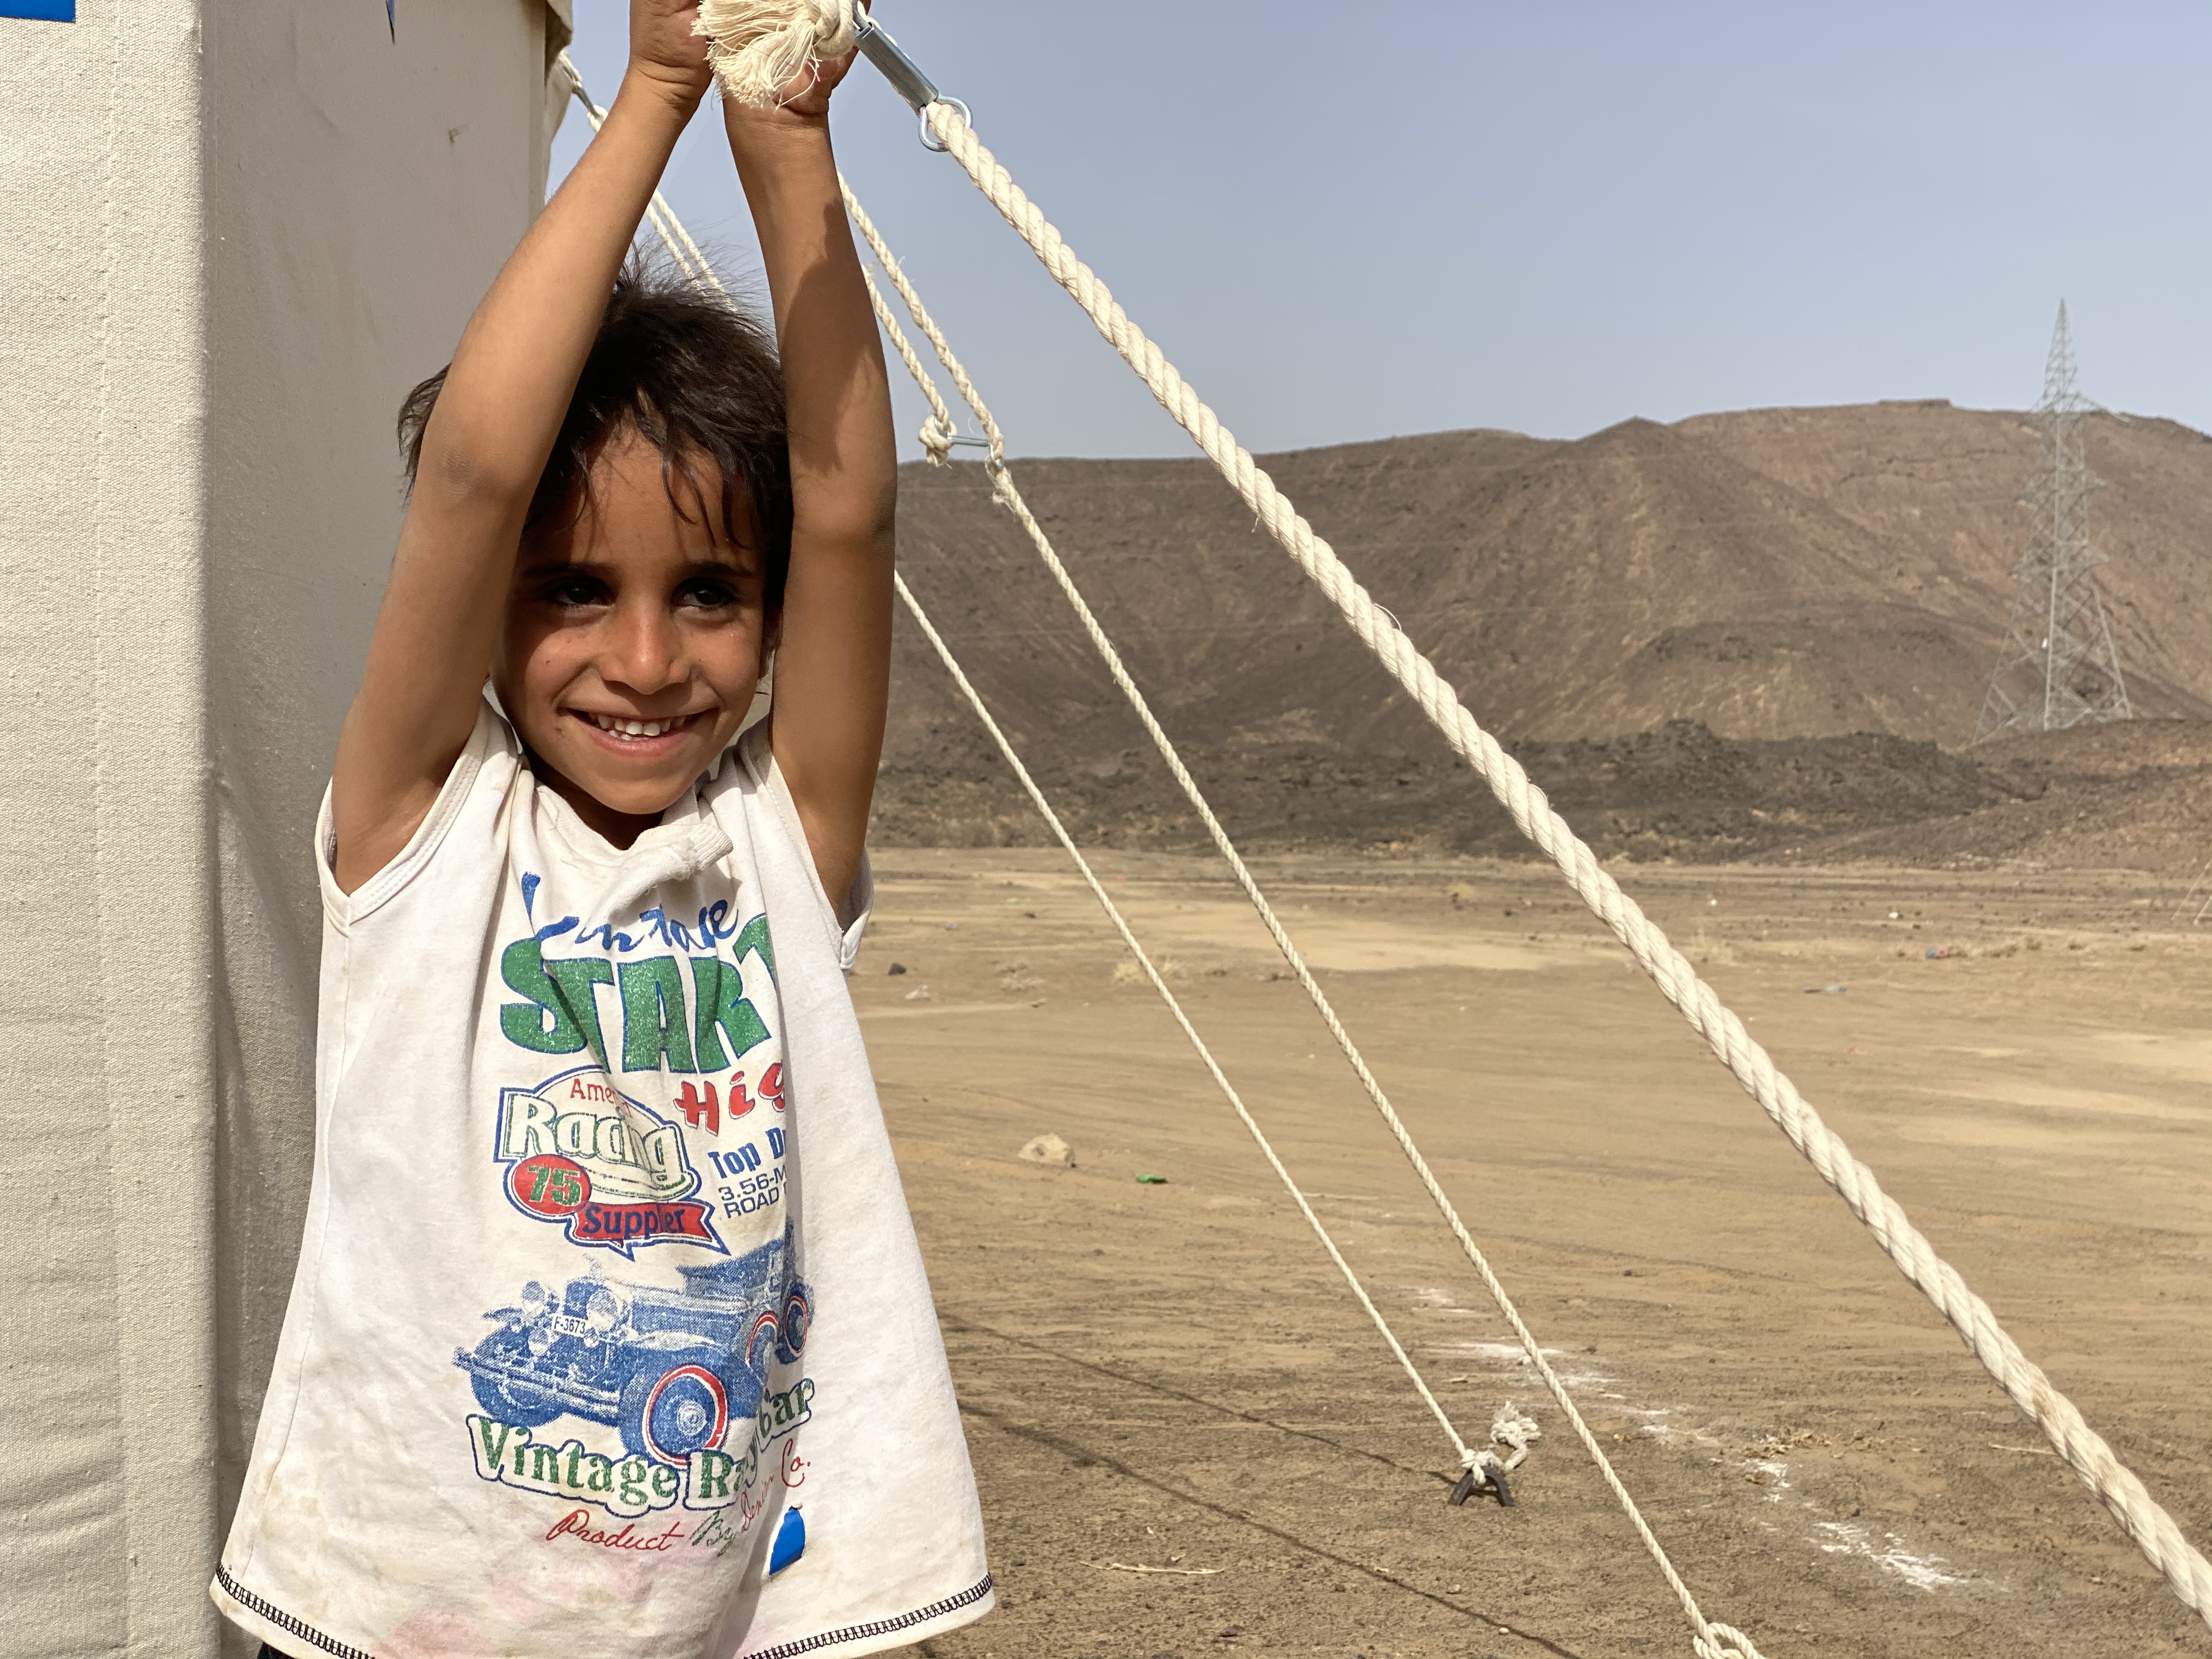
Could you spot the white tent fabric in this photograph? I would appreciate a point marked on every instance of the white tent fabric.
(234, 236)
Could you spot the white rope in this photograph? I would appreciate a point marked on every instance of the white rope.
(758, 47)
(1509, 1428)
(695, 266)
(927, 324)
(1468, 1457)
(694, 263)
(1713, 1641)
(937, 432)
(2113, 1483)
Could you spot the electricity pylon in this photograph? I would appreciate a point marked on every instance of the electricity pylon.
(2057, 667)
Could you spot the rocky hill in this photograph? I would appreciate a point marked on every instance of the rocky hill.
(1772, 577)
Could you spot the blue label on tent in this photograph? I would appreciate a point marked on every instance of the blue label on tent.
(53, 11)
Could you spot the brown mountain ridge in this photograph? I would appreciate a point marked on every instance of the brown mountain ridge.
(1774, 576)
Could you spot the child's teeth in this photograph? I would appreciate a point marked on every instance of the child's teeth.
(635, 728)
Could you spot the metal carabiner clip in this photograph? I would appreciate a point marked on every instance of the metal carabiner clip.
(905, 75)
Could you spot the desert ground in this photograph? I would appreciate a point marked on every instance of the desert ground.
(1171, 1377)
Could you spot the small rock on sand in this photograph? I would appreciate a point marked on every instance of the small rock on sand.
(1049, 1149)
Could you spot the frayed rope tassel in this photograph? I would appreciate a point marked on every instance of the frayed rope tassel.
(758, 47)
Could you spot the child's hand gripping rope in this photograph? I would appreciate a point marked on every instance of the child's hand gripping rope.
(666, 45)
(761, 48)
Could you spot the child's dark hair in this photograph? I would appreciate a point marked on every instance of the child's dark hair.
(696, 378)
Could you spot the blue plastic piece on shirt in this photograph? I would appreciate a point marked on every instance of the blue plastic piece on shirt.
(392, 17)
(790, 1542)
(51, 11)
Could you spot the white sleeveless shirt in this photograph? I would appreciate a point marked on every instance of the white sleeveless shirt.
(610, 1333)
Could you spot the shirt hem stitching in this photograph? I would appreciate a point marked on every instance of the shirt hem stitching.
(967, 1598)
(283, 1620)
(329, 1645)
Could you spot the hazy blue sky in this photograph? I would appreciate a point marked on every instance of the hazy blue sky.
(1344, 221)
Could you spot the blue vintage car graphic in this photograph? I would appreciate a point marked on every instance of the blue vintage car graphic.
(674, 1369)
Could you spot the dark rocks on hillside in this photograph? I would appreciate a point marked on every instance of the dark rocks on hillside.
(1788, 609)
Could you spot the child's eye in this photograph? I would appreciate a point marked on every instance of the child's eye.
(574, 592)
(707, 594)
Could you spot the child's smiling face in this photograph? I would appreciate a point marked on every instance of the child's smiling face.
(633, 640)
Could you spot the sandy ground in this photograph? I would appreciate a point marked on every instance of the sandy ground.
(1171, 1375)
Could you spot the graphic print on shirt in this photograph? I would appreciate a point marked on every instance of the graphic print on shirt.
(687, 1016)
(703, 1385)
(579, 1150)
(700, 1383)
(612, 1174)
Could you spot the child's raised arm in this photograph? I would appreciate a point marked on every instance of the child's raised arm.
(486, 446)
(833, 658)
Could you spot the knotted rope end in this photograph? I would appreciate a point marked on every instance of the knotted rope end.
(1510, 1428)
(758, 47)
(1727, 1643)
(937, 440)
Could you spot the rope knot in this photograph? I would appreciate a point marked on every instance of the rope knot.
(1727, 1643)
(758, 47)
(936, 436)
(1509, 1428)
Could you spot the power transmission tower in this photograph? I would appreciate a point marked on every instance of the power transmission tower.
(2057, 667)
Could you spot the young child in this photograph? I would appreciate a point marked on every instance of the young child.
(610, 1336)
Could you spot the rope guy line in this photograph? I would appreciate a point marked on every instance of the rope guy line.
(2115, 1485)
(1712, 1640)
(937, 436)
